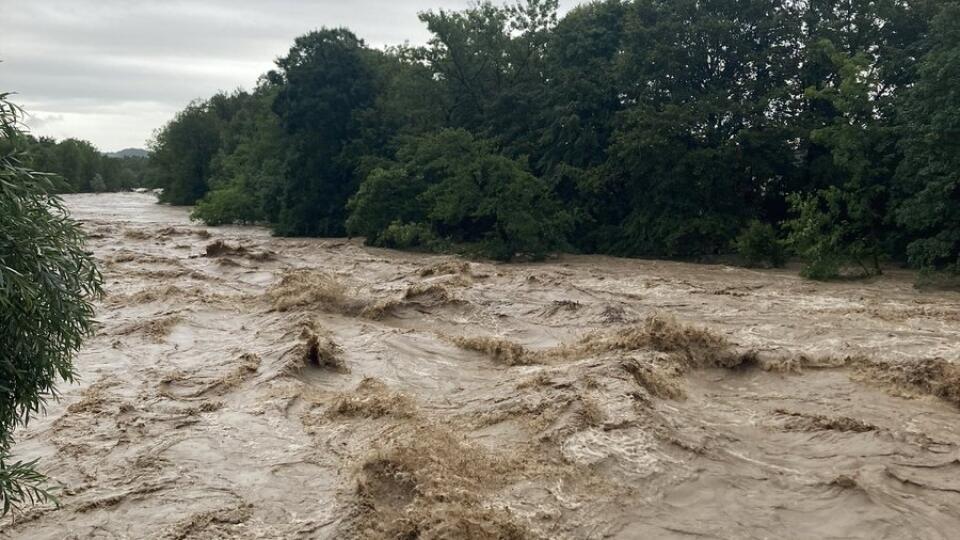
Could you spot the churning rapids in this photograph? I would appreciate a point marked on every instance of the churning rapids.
(245, 386)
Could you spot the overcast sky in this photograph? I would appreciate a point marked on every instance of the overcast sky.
(112, 71)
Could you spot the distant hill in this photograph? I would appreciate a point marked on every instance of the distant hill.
(129, 152)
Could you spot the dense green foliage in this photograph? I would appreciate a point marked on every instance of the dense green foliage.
(828, 235)
(630, 127)
(453, 186)
(79, 166)
(182, 151)
(46, 282)
(929, 175)
(759, 245)
(325, 86)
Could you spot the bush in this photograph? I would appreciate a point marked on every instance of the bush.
(828, 238)
(759, 246)
(98, 185)
(399, 235)
(453, 187)
(226, 206)
(46, 283)
(937, 253)
(388, 197)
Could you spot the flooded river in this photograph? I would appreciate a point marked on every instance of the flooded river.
(245, 386)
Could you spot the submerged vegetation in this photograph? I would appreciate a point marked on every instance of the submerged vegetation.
(640, 128)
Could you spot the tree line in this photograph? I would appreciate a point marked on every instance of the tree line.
(79, 166)
(826, 129)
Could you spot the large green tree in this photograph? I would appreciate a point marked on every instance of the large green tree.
(47, 280)
(183, 150)
(929, 176)
(704, 136)
(326, 82)
(859, 58)
(489, 61)
(247, 174)
(581, 93)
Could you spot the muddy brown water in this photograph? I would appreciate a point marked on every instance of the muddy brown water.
(316, 388)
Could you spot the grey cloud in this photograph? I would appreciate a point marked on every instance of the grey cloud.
(92, 61)
(38, 121)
